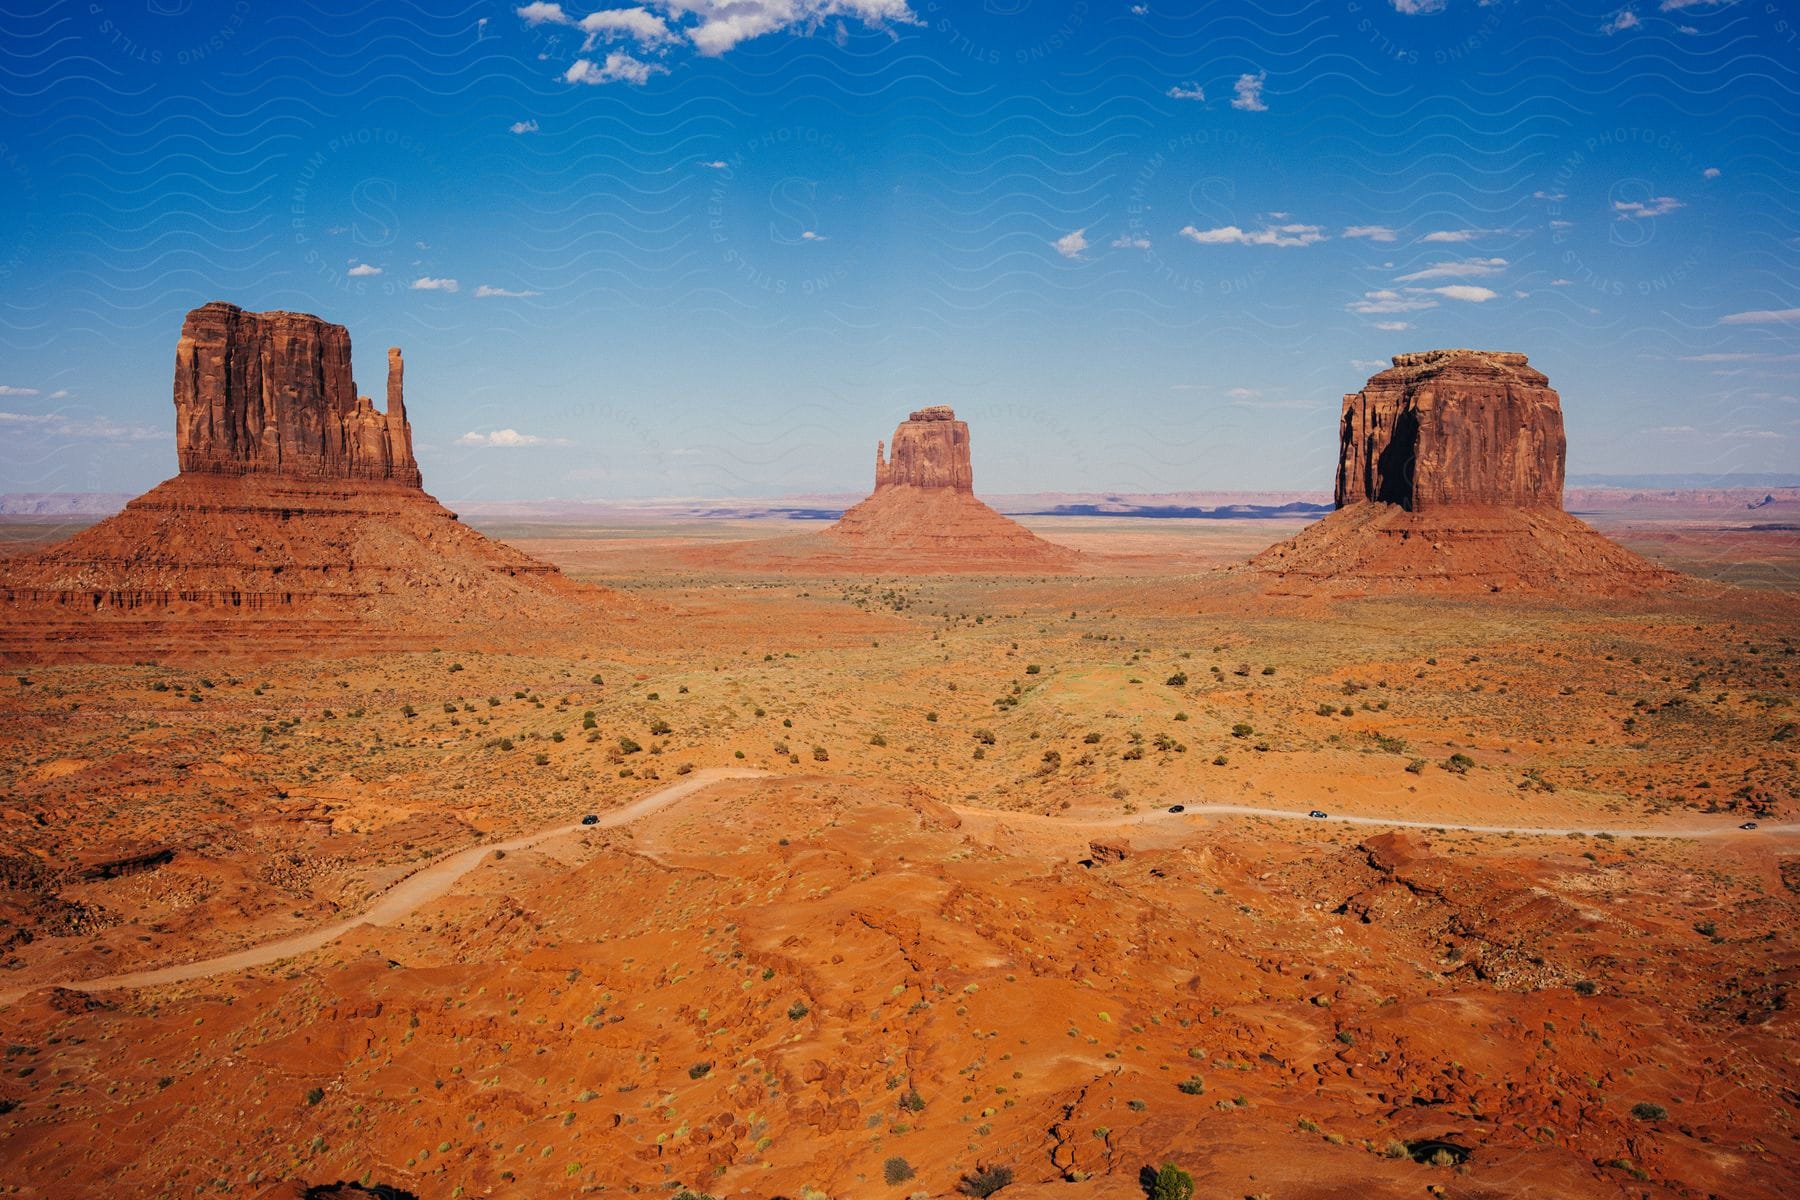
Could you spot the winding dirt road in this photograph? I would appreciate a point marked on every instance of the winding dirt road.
(430, 882)
(398, 902)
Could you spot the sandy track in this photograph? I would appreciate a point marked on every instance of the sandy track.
(399, 901)
(430, 882)
(1284, 814)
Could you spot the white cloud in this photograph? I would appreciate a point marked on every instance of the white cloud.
(1672, 429)
(1463, 291)
(362, 270)
(1249, 89)
(1656, 206)
(507, 438)
(717, 164)
(484, 291)
(1765, 316)
(1453, 235)
(1468, 268)
(1243, 393)
(524, 126)
(1729, 358)
(426, 283)
(639, 24)
(708, 27)
(1374, 233)
(1186, 91)
(1419, 8)
(1711, 173)
(1387, 301)
(1393, 326)
(618, 67)
(1070, 245)
(1129, 241)
(86, 428)
(16, 391)
(726, 23)
(1754, 435)
(60, 394)
(1269, 235)
(1552, 196)
(1626, 19)
(1677, 5)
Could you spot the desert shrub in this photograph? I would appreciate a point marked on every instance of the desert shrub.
(1646, 1111)
(1242, 730)
(1092, 739)
(820, 754)
(1170, 1183)
(913, 1102)
(589, 721)
(1193, 1085)
(597, 681)
(1178, 679)
(985, 1181)
(875, 739)
(1416, 766)
(984, 736)
(627, 746)
(542, 759)
(314, 1095)
(659, 728)
(1458, 763)
(797, 1009)
(897, 1170)
(1032, 669)
(698, 1070)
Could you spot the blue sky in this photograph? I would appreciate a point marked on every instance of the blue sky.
(689, 248)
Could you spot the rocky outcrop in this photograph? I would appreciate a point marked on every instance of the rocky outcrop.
(931, 450)
(297, 524)
(1453, 427)
(923, 514)
(272, 394)
(1450, 479)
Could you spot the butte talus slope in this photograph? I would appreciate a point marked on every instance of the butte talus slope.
(1450, 479)
(923, 513)
(297, 522)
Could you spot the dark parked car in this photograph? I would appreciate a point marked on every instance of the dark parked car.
(1316, 813)
(1748, 825)
(1176, 807)
(590, 819)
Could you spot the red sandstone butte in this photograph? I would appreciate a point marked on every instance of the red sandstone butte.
(1450, 478)
(298, 522)
(924, 515)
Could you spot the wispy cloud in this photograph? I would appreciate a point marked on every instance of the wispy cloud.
(524, 126)
(1452, 236)
(619, 67)
(1269, 235)
(426, 283)
(1186, 91)
(1130, 241)
(705, 27)
(59, 425)
(485, 291)
(1637, 210)
(1385, 301)
(1465, 292)
(1625, 19)
(507, 439)
(1373, 233)
(1249, 89)
(1468, 268)
(1764, 316)
(7, 390)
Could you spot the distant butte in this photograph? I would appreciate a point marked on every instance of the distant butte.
(1450, 478)
(923, 513)
(298, 523)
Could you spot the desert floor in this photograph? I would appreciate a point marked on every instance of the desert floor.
(924, 909)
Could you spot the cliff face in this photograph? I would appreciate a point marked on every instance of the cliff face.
(272, 394)
(1453, 428)
(931, 450)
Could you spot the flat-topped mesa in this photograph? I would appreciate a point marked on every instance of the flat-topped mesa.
(930, 450)
(1445, 428)
(272, 394)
